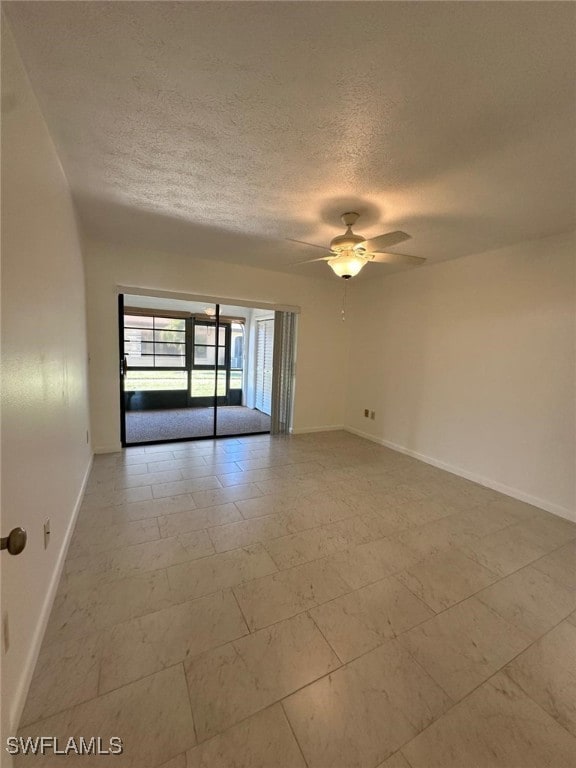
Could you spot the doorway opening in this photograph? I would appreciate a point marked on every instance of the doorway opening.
(191, 370)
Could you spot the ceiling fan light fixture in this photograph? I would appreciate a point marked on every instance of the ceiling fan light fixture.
(348, 253)
(347, 264)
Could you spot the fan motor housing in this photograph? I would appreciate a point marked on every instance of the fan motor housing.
(346, 242)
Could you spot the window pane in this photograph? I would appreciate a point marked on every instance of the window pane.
(235, 379)
(237, 346)
(169, 349)
(203, 384)
(170, 361)
(204, 356)
(139, 361)
(133, 348)
(200, 334)
(211, 330)
(136, 381)
(138, 334)
(206, 334)
(207, 356)
(139, 321)
(169, 323)
(178, 337)
(149, 348)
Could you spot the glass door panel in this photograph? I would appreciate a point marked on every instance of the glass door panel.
(165, 396)
(204, 386)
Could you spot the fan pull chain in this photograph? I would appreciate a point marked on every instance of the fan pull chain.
(344, 301)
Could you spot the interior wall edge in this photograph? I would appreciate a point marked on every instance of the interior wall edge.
(42, 623)
(495, 485)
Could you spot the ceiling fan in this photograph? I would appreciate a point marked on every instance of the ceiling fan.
(348, 253)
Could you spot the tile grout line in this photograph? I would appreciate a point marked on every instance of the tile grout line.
(216, 647)
(107, 630)
(250, 632)
(325, 557)
(448, 549)
(283, 708)
(196, 742)
(392, 574)
(396, 636)
(313, 620)
(357, 514)
(100, 695)
(276, 701)
(428, 496)
(483, 682)
(512, 660)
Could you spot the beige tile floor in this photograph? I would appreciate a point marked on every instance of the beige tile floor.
(308, 602)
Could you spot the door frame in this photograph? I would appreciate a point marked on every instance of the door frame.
(121, 369)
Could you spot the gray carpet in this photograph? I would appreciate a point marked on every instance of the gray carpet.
(144, 426)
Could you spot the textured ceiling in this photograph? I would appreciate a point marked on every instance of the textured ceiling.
(224, 128)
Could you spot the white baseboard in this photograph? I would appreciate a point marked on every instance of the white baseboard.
(26, 677)
(112, 448)
(308, 430)
(549, 506)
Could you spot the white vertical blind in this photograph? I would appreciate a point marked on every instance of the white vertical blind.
(283, 377)
(264, 360)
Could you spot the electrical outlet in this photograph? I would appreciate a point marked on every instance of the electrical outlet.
(366, 413)
(46, 533)
(5, 632)
(372, 415)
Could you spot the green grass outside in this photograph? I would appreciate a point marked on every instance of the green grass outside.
(202, 381)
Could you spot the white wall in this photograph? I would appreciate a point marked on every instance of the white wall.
(45, 455)
(321, 354)
(470, 363)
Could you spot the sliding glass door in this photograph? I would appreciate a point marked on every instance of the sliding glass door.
(191, 370)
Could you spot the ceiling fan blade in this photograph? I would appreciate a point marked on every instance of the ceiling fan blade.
(396, 258)
(388, 240)
(309, 261)
(302, 242)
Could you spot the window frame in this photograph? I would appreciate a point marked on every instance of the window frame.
(189, 365)
(200, 400)
(153, 354)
